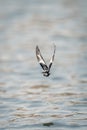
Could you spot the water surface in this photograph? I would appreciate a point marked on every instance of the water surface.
(27, 99)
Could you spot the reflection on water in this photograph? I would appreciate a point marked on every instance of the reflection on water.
(27, 99)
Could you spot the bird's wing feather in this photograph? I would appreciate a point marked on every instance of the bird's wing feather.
(52, 59)
(40, 59)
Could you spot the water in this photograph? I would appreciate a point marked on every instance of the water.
(27, 99)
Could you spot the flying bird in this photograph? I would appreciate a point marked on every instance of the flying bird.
(46, 69)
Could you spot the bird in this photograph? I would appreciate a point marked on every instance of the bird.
(46, 69)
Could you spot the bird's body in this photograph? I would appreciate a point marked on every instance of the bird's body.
(46, 73)
(41, 61)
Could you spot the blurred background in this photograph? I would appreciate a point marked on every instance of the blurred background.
(27, 98)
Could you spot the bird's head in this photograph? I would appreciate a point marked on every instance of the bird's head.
(46, 73)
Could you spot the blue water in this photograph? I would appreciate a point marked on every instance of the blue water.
(27, 99)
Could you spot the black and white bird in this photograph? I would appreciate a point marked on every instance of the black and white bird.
(46, 69)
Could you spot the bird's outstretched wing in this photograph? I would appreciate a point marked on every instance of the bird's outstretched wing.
(52, 59)
(40, 59)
